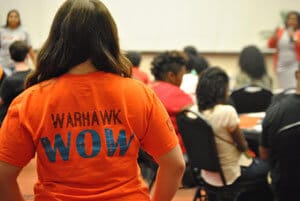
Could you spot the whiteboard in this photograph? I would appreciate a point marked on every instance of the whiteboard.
(158, 25)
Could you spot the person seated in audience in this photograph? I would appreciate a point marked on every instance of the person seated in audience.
(137, 73)
(196, 65)
(281, 114)
(13, 85)
(237, 165)
(168, 69)
(252, 69)
(190, 50)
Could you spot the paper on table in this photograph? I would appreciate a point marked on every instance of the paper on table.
(260, 115)
(257, 128)
(248, 122)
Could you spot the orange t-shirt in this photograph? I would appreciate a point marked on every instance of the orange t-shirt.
(86, 131)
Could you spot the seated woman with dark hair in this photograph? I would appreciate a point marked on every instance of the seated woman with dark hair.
(212, 94)
(252, 69)
(168, 69)
(196, 64)
(13, 85)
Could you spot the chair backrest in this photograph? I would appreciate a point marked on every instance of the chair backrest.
(198, 138)
(286, 145)
(251, 98)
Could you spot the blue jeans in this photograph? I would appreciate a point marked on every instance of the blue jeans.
(253, 175)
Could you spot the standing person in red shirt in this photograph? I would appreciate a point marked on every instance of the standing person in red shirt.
(86, 119)
(168, 69)
(137, 73)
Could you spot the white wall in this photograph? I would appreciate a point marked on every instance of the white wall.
(155, 25)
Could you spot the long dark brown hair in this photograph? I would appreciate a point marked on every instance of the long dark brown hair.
(252, 62)
(212, 88)
(81, 30)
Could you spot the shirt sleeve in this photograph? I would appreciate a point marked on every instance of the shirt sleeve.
(16, 144)
(229, 119)
(160, 135)
(272, 42)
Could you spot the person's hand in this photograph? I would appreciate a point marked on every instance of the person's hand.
(249, 153)
(292, 35)
(291, 32)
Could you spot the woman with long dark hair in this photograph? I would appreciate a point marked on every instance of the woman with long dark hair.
(86, 119)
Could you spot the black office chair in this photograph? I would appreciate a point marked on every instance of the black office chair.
(251, 98)
(198, 138)
(286, 145)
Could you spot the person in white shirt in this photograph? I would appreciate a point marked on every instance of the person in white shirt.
(196, 64)
(12, 31)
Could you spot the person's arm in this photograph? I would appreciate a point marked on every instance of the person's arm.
(9, 189)
(296, 39)
(31, 52)
(297, 43)
(272, 42)
(170, 172)
(239, 139)
(32, 56)
(230, 120)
